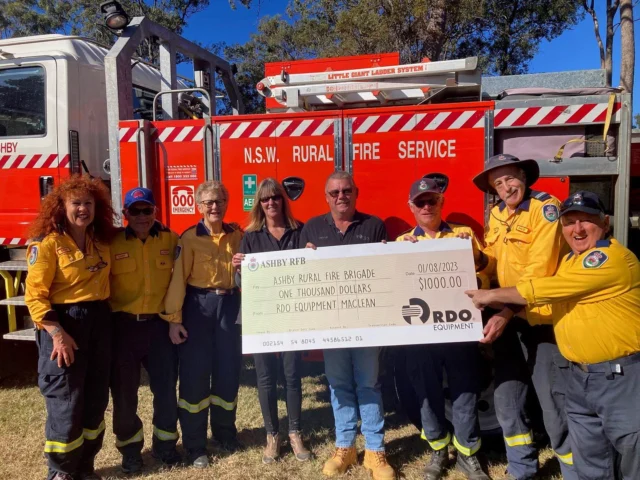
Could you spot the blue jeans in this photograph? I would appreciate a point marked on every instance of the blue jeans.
(353, 380)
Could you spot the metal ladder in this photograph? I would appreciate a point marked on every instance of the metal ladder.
(378, 86)
(12, 286)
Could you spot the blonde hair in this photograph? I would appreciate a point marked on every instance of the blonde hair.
(212, 186)
(268, 187)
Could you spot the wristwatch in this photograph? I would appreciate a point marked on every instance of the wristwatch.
(55, 331)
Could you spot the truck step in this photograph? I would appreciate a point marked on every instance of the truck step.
(14, 266)
(25, 335)
(19, 300)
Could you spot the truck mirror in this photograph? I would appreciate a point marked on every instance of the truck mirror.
(293, 186)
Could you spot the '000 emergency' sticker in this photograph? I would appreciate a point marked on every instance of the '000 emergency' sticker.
(183, 201)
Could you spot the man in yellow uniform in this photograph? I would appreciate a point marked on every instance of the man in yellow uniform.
(142, 258)
(202, 305)
(523, 240)
(595, 308)
(425, 363)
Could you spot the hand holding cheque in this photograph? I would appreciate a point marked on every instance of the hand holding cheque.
(359, 296)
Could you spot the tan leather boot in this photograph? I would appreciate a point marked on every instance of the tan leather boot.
(376, 463)
(342, 459)
(272, 450)
(299, 450)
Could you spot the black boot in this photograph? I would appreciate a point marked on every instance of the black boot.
(438, 463)
(131, 463)
(471, 467)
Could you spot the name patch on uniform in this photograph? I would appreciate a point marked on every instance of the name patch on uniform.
(164, 252)
(120, 256)
(595, 259)
(33, 255)
(550, 213)
(63, 250)
(177, 254)
(522, 229)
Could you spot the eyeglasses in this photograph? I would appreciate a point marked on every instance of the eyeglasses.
(421, 202)
(581, 202)
(211, 203)
(347, 192)
(134, 212)
(275, 198)
(98, 266)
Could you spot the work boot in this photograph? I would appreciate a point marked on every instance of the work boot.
(342, 459)
(438, 463)
(470, 466)
(169, 458)
(199, 459)
(131, 463)
(376, 462)
(62, 476)
(299, 450)
(272, 450)
(231, 445)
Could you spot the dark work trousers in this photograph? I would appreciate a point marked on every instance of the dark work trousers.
(546, 369)
(76, 396)
(135, 344)
(603, 408)
(267, 367)
(425, 366)
(210, 361)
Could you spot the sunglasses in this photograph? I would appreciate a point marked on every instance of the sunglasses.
(134, 212)
(275, 198)
(211, 203)
(421, 202)
(583, 202)
(347, 192)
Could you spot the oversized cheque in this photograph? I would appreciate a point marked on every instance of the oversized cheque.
(398, 293)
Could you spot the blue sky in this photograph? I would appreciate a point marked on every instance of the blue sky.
(575, 49)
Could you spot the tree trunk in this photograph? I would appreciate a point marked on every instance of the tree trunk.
(608, 56)
(627, 45)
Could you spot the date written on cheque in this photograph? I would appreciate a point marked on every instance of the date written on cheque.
(356, 338)
(437, 267)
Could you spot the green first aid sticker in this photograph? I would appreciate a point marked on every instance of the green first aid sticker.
(249, 184)
(247, 203)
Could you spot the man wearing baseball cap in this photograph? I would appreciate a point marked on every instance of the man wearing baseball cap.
(142, 257)
(460, 360)
(594, 299)
(523, 240)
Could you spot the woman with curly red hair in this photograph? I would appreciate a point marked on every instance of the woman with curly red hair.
(66, 292)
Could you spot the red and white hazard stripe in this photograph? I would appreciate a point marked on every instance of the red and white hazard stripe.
(277, 128)
(408, 122)
(586, 113)
(13, 241)
(189, 133)
(40, 160)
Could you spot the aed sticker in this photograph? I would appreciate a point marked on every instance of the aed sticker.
(550, 213)
(247, 203)
(183, 200)
(33, 255)
(595, 259)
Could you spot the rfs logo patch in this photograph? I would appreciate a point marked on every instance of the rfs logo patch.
(550, 213)
(33, 255)
(595, 259)
(253, 265)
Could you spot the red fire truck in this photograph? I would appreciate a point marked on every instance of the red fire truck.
(386, 123)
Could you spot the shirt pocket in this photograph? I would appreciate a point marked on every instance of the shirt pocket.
(519, 243)
(126, 265)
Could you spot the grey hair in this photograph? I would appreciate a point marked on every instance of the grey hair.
(340, 175)
(211, 186)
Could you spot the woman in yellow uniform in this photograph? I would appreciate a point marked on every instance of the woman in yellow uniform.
(66, 291)
(202, 304)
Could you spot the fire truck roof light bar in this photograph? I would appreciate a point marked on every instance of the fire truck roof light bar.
(119, 82)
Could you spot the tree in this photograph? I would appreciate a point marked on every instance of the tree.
(606, 48)
(627, 44)
(505, 34)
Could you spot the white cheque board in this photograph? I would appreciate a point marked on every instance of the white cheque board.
(399, 293)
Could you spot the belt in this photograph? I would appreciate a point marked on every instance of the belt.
(217, 291)
(138, 317)
(609, 367)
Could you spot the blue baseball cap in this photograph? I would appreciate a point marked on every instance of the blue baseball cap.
(583, 201)
(139, 194)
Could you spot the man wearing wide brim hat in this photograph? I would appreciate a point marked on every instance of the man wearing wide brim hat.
(524, 241)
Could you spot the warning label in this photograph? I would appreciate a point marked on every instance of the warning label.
(183, 201)
(182, 172)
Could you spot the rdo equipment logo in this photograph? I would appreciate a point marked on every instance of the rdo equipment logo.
(420, 309)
